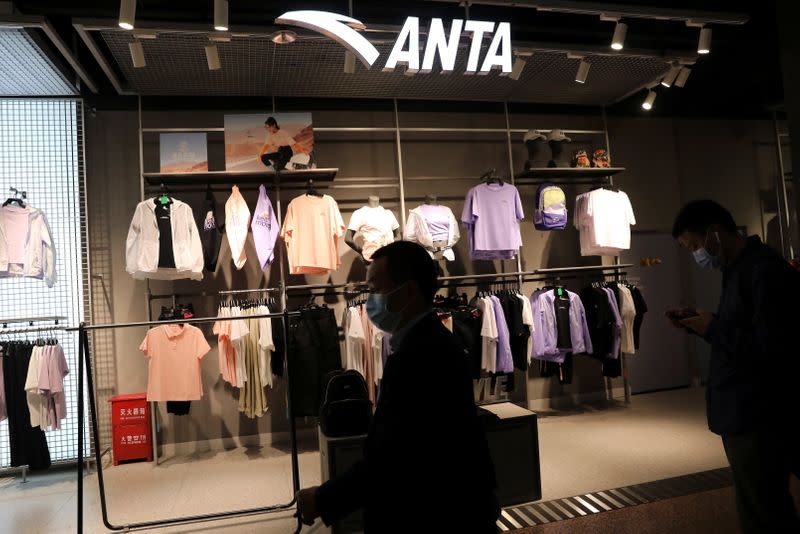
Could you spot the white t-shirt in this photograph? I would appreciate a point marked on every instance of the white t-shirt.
(527, 320)
(377, 353)
(489, 335)
(376, 225)
(604, 219)
(628, 313)
(354, 342)
(266, 346)
(37, 403)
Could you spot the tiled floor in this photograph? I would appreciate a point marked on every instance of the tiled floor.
(658, 436)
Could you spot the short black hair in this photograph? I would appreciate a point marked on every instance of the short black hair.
(698, 215)
(409, 261)
(271, 122)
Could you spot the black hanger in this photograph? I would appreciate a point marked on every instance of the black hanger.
(310, 190)
(490, 177)
(18, 198)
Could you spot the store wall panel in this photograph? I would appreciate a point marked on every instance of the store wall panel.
(646, 148)
(717, 159)
(668, 162)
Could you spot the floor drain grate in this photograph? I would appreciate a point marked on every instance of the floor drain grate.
(539, 513)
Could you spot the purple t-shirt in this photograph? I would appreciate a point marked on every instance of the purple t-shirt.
(265, 229)
(492, 213)
(505, 362)
(438, 221)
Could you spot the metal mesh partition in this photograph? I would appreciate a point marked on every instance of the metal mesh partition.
(26, 69)
(313, 67)
(41, 152)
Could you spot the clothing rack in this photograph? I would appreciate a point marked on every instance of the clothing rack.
(85, 363)
(535, 272)
(29, 329)
(354, 285)
(31, 320)
(244, 291)
(32, 329)
(541, 278)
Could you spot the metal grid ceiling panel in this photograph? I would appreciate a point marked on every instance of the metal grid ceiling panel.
(313, 67)
(25, 70)
(40, 152)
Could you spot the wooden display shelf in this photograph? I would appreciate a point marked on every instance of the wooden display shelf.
(240, 177)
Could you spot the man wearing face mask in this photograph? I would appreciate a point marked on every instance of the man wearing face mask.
(751, 392)
(426, 464)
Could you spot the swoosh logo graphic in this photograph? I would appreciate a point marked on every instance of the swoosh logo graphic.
(337, 27)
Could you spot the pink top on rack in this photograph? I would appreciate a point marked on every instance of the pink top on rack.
(174, 352)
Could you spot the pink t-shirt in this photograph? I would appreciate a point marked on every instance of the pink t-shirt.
(16, 222)
(174, 352)
(312, 229)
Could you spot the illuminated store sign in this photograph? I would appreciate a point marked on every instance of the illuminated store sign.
(406, 49)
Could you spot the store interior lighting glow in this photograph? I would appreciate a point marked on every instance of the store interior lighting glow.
(137, 54)
(583, 71)
(212, 57)
(349, 62)
(618, 40)
(517, 68)
(221, 15)
(704, 43)
(683, 75)
(127, 14)
(284, 37)
(649, 100)
(669, 77)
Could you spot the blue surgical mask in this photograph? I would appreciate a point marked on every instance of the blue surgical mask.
(380, 315)
(705, 259)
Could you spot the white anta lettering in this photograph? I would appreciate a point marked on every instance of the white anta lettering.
(446, 48)
(406, 48)
(401, 56)
(499, 54)
(478, 28)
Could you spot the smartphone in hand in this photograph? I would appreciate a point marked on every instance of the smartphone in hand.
(678, 314)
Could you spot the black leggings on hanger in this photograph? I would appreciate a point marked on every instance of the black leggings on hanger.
(28, 444)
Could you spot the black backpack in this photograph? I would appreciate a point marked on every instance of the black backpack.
(346, 409)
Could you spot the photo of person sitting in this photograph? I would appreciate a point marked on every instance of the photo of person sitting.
(277, 149)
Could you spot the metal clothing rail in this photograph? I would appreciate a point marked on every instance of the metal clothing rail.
(540, 278)
(553, 270)
(326, 286)
(85, 364)
(31, 320)
(257, 290)
(31, 329)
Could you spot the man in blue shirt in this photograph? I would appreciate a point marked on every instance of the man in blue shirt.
(752, 400)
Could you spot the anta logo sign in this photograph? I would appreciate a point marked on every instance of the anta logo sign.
(406, 49)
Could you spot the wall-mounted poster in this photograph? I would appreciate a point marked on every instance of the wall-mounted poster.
(273, 141)
(183, 152)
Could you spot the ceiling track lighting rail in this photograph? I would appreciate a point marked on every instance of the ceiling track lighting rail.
(221, 15)
(626, 11)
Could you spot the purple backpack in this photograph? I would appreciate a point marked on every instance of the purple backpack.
(551, 208)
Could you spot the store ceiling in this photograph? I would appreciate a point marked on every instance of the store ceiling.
(747, 53)
(313, 67)
(26, 70)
